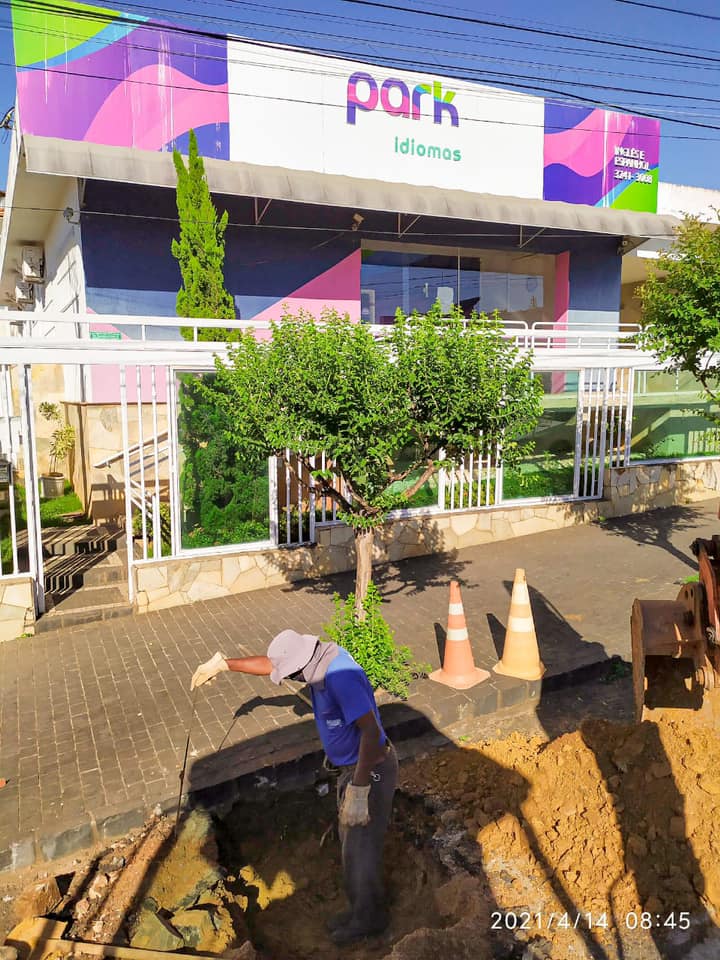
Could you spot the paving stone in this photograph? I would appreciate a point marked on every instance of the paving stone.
(89, 708)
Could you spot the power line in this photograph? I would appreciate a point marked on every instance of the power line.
(503, 25)
(534, 30)
(684, 13)
(64, 71)
(397, 44)
(494, 76)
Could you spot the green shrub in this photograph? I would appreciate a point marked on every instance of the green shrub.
(248, 531)
(371, 643)
(226, 493)
(164, 524)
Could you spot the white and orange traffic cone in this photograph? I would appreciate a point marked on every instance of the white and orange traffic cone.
(458, 669)
(521, 656)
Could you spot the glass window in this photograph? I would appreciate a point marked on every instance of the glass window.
(548, 469)
(224, 496)
(518, 285)
(671, 418)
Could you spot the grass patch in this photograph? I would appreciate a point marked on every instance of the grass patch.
(52, 511)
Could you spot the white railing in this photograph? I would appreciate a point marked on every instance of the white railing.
(542, 335)
(10, 463)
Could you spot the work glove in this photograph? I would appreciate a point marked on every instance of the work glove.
(208, 671)
(354, 809)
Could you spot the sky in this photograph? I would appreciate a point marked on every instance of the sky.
(627, 54)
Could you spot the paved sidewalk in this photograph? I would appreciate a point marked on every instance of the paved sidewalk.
(93, 720)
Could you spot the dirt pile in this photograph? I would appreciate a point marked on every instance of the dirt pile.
(605, 824)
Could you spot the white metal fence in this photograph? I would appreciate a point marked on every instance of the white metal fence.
(149, 462)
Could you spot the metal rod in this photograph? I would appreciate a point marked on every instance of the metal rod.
(11, 455)
(603, 435)
(32, 492)
(470, 479)
(629, 415)
(184, 763)
(579, 417)
(128, 480)
(288, 499)
(157, 532)
(499, 474)
(311, 500)
(141, 460)
(273, 498)
(299, 498)
(172, 386)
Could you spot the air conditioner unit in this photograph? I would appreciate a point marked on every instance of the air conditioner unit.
(24, 292)
(33, 264)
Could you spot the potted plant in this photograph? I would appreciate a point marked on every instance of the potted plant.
(62, 441)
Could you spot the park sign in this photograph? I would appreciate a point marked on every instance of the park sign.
(107, 77)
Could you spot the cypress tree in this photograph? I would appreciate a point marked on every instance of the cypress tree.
(200, 251)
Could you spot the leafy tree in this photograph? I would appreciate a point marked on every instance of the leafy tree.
(218, 486)
(681, 305)
(200, 251)
(439, 387)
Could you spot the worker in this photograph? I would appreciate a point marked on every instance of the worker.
(355, 743)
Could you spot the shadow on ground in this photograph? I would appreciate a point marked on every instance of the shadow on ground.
(659, 528)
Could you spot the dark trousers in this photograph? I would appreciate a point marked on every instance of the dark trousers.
(362, 847)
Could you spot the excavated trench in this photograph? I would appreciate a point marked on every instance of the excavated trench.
(516, 848)
(260, 882)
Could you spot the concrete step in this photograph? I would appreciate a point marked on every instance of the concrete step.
(90, 604)
(67, 541)
(74, 571)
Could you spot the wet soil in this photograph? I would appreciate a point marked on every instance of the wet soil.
(293, 884)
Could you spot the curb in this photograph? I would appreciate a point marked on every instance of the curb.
(403, 720)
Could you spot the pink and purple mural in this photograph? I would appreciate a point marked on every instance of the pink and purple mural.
(600, 158)
(92, 74)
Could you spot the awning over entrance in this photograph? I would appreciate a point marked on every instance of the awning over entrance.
(68, 158)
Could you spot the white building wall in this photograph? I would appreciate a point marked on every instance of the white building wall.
(677, 200)
(64, 287)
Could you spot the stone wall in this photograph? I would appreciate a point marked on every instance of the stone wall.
(17, 607)
(646, 486)
(167, 583)
(642, 486)
(98, 429)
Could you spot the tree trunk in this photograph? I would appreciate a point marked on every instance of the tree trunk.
(363, 568)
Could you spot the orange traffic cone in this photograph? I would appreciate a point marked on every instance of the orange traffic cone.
(521, 656)
(459, 670)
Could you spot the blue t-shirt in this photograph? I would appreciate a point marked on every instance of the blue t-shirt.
(346, 696)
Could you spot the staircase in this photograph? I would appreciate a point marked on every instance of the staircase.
(85, 576)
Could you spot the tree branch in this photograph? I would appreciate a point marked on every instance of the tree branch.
(325, 488)
(427, 473)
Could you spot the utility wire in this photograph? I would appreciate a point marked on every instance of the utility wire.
(494, 76)
(98, 16)
(396, 45)
(684, 13)
(475, 75)
(478, 21)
